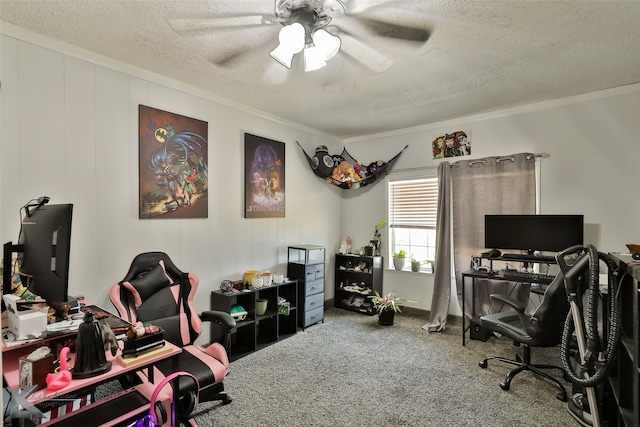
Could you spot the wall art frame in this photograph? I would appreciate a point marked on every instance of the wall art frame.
(173, 165)
(264, 177)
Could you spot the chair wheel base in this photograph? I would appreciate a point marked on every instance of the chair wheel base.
(483, 364)
(505, 386)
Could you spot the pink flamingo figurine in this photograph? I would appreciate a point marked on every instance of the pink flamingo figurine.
(58, 380)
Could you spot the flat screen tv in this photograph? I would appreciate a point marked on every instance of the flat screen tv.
(544, 233)
(43, 251)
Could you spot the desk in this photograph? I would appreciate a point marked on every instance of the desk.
(10, 356)
(497, 275)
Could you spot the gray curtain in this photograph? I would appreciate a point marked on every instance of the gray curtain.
(442, 277)
(492, 185)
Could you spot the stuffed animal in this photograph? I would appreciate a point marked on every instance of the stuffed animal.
(353, 175)
(341, 174)
(323, 163)
(108, 338)
(360, 170)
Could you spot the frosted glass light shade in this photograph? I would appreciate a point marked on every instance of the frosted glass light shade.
(292, 39)
(325, 46)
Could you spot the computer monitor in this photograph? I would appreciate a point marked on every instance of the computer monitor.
(43, 251)
(544, 233)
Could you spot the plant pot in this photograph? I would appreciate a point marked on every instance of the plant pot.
(261, 307)
(398, 263)
(368, 251)
(385, 317)
(376, 247)
(415, 266)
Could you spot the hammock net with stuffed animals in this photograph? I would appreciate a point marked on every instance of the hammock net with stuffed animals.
(344, 171)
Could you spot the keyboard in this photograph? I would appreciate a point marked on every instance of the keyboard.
(527, 257)
(116, 323)
(519, 276)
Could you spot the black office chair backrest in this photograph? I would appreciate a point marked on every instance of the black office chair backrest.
(548, 319)
(165, 294)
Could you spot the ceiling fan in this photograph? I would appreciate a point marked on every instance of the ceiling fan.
(320, 29)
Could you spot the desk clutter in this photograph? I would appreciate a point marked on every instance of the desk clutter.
(88, 335)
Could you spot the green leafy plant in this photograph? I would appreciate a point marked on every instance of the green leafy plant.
(400, 254)
(387, 302)
(378, 226)
(415, 264)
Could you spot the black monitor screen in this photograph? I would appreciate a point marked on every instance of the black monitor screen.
(45, 239)
(550, 233)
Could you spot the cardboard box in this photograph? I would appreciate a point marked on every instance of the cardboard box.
(28, 322)
(24, 323)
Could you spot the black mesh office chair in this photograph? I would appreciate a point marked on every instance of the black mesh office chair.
(543, 328)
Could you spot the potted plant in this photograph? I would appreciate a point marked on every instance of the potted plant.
(387, 306)
(415, 264)
(399, 258)
(375, 243)
(433, 264)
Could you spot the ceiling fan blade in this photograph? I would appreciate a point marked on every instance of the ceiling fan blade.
(389, 21)
(396, 31)
(199, 24)
(364, 54)
(241, 53)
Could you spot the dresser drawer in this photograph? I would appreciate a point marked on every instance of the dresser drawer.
(319, 270)
(310, 272)
(313, 316)
(314, 301)
(314, 287)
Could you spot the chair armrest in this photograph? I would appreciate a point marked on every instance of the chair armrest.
(224, 319)
(513, 303)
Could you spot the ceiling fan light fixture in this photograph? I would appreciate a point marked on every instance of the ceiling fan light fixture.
(324, 47)
(328, 43)
(313, 59)
(292, 41)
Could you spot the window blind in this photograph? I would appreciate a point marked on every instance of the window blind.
(413, 203)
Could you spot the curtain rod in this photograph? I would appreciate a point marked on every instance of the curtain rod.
(503, 158)
(543, 155)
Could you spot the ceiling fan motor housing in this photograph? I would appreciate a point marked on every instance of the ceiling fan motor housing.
(311, 14)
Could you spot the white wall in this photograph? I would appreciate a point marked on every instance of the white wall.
(69, 130)
(592, 169)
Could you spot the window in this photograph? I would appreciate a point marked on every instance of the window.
(413, 205)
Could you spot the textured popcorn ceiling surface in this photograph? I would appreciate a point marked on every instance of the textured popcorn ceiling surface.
(481, 56)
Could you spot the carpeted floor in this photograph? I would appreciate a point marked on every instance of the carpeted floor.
(350, 371)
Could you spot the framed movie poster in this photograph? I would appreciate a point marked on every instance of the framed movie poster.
(173, 153)
(264, 194)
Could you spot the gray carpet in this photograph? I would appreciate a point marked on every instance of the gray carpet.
(350, 371)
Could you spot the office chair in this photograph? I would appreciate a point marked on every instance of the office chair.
(156, 292)
(543, 328)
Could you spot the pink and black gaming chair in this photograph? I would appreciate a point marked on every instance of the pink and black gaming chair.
(155, 291)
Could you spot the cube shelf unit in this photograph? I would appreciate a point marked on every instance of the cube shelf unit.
(256, 332)
(306, 264)
(622, 390)
(356, 278)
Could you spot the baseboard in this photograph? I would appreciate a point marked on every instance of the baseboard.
(452, 319)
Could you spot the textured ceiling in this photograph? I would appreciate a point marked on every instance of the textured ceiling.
(481, 56)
